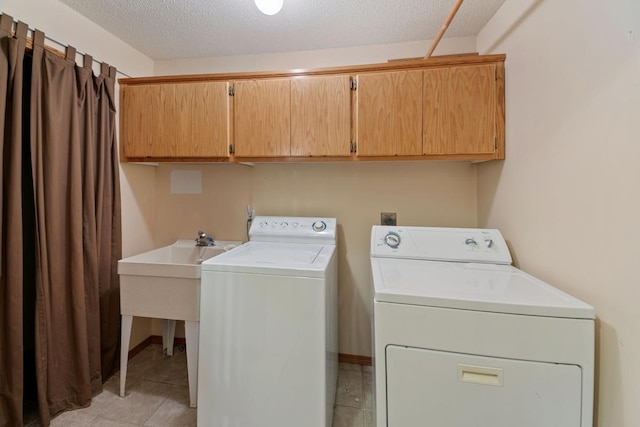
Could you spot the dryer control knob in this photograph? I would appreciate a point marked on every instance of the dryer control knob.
(392, 239)
(319, 226)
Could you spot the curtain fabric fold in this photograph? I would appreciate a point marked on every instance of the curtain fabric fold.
(11, 248)
(62, 304)
(74, 184)
(109, 223)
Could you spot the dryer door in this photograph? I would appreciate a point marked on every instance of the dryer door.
(438, 388)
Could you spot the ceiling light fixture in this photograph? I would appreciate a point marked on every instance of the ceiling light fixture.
(269, 7)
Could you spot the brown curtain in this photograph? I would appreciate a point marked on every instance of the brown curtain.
(11, 283)
(74, 190)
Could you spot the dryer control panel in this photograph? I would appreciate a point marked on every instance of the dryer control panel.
(293, 229)
(440, 244)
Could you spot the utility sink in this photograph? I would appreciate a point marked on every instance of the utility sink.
(181, 259)
(165, 284)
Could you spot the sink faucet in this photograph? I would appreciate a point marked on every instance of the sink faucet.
(203, 240)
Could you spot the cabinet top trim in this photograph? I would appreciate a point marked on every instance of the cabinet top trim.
(400, 65)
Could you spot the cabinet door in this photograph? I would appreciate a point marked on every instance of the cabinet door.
(389, 114)
(187, 120)
(460, 110)
(262, 118)
(320, 116)
(201, 119)
(144, 111)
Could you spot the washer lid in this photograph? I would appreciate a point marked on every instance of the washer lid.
(290, 259)
(471, 286)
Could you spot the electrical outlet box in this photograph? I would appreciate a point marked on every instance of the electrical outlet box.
(388, 218)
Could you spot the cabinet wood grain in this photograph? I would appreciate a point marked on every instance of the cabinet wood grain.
(202, 119)
(262, 118)
(459, 115)
(141, 122)
(389, 114)
(320, 116)
(175, 120)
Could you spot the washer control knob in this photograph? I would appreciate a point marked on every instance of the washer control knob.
(392, 239)
(263, 224)
(471, 241)
(488, 242)
(295, 225)
(284, 224)
(319, 226)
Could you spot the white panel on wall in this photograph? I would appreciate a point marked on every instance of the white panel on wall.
(186, 182)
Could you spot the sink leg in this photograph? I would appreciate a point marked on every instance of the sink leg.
(125, 337)
(192, 330)
(168, 333)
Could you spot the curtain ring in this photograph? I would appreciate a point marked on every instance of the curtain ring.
(6, 22)
(38, 38)
(71, 54)
(21, 30)
(87, 61)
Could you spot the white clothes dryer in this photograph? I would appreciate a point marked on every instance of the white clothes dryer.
(268, 328)
(462, 338)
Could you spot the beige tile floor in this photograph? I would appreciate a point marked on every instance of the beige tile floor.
(158, 395)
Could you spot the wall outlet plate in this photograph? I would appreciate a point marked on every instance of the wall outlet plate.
(388, 218)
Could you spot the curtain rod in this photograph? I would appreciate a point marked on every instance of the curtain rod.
(78, 52)
(66, 46)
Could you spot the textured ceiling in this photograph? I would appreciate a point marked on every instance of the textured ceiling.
(172, 29)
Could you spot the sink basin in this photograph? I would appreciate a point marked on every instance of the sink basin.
(182, 259)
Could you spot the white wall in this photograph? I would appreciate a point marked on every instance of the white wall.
(65, 25)
(313, 58)
(567, 195)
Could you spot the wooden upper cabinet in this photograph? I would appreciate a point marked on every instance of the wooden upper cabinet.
(202, 119)
(262, 118)
(142, 118)
(389, 114)
(440, 108)
(184, 120)
(320, 116)
(461, 110)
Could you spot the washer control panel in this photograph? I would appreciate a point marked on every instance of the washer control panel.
(440, 244)
(392, 239)
(293, 229)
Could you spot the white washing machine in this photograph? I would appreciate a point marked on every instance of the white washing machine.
(268, 328)
(462, 338)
